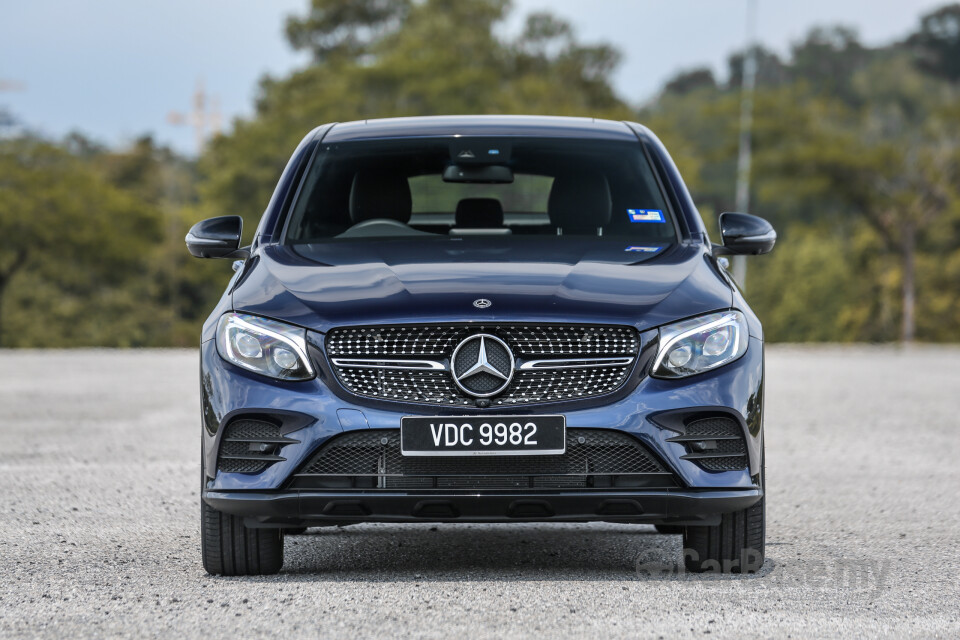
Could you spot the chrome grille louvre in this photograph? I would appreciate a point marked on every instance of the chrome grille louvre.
(410, 363)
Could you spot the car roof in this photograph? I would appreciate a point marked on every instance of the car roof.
(430, 126)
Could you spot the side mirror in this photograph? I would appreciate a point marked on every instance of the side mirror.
(217, 238)
(744, 234)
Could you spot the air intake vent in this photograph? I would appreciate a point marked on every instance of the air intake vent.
(715, 443)
(595, 458)
(250, 446)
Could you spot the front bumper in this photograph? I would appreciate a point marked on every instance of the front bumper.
(303, 508)
(318, 415)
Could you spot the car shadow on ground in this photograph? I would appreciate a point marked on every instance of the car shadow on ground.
(474, 552)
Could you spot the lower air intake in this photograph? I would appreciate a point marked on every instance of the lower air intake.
(715, 443)
(250, 446)
(595, 458)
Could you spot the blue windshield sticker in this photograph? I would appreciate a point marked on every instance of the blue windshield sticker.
(645, 215)
(643, 249)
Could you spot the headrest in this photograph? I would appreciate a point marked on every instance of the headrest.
(479, 213)
(379, 194)
(580, 201)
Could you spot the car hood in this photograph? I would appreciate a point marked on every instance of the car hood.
(321, 286)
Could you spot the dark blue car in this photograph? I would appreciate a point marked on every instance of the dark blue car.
(481, 319)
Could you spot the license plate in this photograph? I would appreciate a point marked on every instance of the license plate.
(482, 435)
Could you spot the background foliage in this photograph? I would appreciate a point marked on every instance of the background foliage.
(856, 163)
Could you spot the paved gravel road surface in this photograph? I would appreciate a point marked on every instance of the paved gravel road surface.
(99, 534)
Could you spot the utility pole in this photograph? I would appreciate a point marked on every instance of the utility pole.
(200, 118)
(204, 122)
(11, 85)
(749, 80)
(6, 118)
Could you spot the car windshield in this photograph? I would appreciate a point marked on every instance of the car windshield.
(498, 187)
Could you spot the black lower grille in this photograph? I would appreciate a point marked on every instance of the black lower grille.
(250, 446)
(715, 443)
(594, 458)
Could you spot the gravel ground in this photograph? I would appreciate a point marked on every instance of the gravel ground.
(100, 528)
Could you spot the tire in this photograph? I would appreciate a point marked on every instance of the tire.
(736, 545)
(231, 549)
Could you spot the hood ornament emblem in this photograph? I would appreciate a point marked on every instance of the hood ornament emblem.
(482, 303)
(482, 365)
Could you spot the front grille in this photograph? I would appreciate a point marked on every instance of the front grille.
(594, 458)
(250, 446)
(715, 443)
(416, 361)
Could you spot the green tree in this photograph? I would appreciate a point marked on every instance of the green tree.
(936, 44)
(334, 29)
(892, 163)
(771, 71)
(73, 251)
(827, 59)
(853, 145)
(691, 80)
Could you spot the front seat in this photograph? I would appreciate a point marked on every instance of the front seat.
(479, 213)
(379, 194)
(380, 205)
(580, 203)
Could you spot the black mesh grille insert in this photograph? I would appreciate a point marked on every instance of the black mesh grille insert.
(375, 454)
(528, 342)
(716, 444)
(250, 446)
(252, 430)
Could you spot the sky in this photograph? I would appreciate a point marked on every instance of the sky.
(115, 69)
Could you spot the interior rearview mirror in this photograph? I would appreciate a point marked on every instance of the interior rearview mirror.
(744, 234)
(217, 238)
(489, 174)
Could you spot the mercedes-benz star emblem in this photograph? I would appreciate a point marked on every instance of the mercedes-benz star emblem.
(482, 365)
(482, 303)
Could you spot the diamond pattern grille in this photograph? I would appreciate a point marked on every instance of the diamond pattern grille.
(528, 342)
(525, 340)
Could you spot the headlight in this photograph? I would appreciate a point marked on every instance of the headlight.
(701, 344)
(267, 347)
